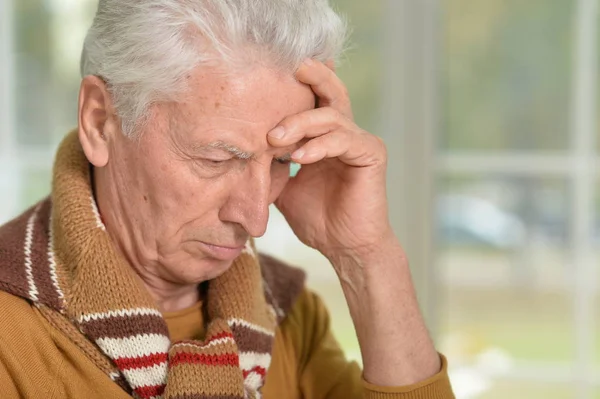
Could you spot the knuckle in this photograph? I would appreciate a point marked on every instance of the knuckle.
(334, 114)
(381, 147)
(376, 144)
(331, 113)
(345, 92)
(380, 142)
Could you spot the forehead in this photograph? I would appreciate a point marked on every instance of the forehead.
(252, 101)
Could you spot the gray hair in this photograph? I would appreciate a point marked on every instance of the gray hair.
(143, 49)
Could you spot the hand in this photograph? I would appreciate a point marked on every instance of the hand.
(337, 203)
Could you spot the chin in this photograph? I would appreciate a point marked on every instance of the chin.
(219, 267)
(203, 270)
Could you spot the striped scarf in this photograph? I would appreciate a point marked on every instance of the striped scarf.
(59, 256)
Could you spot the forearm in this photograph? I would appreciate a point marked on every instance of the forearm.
(395, 344)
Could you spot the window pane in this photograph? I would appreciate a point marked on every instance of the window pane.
(519, 389)
(48, 40)
(36, 185)
(33, 49)
(596, 254)
(505, 273)
(47, 47)
(360, 65)
(598, 92)
(506, 74)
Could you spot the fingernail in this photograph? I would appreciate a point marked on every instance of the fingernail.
(309, 61)
(298, 154)
(277, 133)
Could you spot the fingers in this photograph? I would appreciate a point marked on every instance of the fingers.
(306, 125)
(328, 87)
(353, 149)
(329, 129)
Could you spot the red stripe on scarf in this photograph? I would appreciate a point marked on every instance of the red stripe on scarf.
(147, 392)
(226, 359)
(259, 370)
(126, 363)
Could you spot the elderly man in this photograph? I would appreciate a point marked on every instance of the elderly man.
(138, 275)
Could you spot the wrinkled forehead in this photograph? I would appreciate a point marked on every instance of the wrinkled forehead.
(236, 107)
(258, 94)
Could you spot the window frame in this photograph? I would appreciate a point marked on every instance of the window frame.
(411, 129)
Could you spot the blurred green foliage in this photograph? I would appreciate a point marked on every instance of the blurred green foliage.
(507, 67)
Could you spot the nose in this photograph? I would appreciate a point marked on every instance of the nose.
(248, 203)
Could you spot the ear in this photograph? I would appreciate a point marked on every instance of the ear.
(96, 120)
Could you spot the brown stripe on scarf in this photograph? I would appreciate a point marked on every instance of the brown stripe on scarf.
(226, 346)
(249, 340)
(40, 263)
(185, 381)
(124, 326)
(12, 255)
(283, 283)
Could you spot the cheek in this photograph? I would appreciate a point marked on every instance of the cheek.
(173, 191)
(280, 175)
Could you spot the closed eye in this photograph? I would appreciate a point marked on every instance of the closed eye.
(284, 160)
(215, 164)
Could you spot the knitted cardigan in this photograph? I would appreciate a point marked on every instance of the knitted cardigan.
(58, 256)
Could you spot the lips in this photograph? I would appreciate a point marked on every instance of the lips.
(220, 252)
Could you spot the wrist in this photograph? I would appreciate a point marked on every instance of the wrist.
(370, 278)
(363, 247)
(370, 261)
(395, 344)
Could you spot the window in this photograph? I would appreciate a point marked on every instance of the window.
(40, 44)
(517, 216)
(490, 112)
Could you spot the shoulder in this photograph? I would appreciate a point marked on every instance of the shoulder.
(307, 317)
(307, 332)
(26, 345)
(24, 240)
(19, 321)
(15, 310)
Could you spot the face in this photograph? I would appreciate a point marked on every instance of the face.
(185, 197)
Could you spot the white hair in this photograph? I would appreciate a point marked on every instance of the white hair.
(144, 49)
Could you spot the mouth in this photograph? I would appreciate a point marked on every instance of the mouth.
(221, 252)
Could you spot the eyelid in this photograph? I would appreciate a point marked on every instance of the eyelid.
(217, 156)
(285, 158)
(219, 160)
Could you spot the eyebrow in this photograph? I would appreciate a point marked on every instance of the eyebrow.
(237, 152)
(221, 145)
